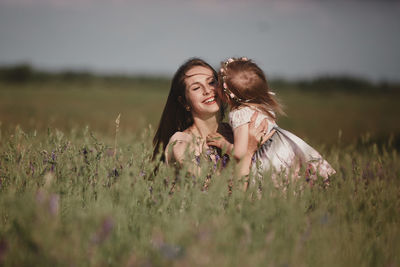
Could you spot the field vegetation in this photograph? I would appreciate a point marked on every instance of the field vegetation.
(76, 192)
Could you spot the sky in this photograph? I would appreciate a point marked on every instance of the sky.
(287, 38)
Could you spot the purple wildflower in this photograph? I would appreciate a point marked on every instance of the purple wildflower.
(53, 161)
(85, 155)
(324, 219)
(110, 152)
(32, 167)
(44, 152)
(225, 160)
(66, 146)
(3, 250)
(54, 204)
(40, 197)
(104, 231)
(170, 251)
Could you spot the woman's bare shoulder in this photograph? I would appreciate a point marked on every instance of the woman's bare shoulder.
(180, 137)
(176, 146)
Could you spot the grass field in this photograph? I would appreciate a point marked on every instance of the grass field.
(65, 199)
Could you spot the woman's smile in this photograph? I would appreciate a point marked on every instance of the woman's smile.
(210, 100)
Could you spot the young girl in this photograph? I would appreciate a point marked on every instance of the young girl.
(243, 86)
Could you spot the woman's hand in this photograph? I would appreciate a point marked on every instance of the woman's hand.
(257, 136)
(217, 140)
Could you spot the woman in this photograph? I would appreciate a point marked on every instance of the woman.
(192, 113)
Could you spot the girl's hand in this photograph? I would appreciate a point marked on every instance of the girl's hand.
(217, 140)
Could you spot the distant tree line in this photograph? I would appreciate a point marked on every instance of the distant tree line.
(25, 73)
(337, 83)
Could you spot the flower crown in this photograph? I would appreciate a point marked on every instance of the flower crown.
(223, 71)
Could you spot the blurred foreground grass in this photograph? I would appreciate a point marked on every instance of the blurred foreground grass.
(65, 200)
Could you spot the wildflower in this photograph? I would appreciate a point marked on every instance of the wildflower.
(54, 204)
(40, 196)
(53, 161)
(104, 231)
(32, 167)
(3, 250)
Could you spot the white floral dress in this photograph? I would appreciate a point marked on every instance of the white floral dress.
(284, 151)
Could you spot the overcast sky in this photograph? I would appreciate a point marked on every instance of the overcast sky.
(288, 38)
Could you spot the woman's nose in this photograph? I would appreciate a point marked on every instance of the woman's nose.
(208, 89)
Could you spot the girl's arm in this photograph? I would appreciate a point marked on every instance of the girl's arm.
(241, 140)
(255, 138)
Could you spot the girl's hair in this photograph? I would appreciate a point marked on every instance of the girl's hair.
(175, 117)
(242, 82)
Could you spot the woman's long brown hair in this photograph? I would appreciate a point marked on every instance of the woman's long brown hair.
(175, 117)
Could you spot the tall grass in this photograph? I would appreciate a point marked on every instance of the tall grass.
(66, 200)
(79, 195)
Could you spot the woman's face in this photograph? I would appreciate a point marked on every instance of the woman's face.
(200, 91)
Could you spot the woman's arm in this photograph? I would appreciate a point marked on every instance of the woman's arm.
(175, 150)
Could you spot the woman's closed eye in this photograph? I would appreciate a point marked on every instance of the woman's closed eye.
(212, 82)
